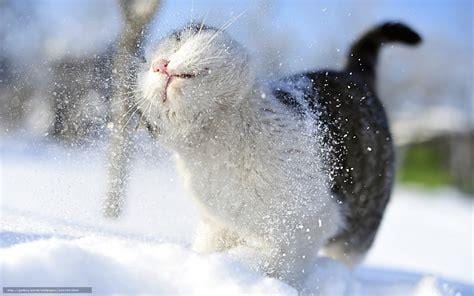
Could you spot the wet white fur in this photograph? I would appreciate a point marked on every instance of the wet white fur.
(251, 165)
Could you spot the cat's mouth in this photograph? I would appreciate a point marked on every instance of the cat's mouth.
(171, 78)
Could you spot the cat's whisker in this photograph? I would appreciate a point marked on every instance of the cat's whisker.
(132, 107)
(148, 109)
(234, 20)
(202, 23)
(226, 25)
(129, 96)
(131, 116)
(129, 111)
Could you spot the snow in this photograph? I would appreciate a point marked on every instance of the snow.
(124, 266)
(428, 231)
(52, 233)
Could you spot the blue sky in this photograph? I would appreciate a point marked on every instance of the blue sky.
(68, 23)
(450, 17)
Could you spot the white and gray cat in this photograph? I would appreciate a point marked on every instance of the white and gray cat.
(282, 169)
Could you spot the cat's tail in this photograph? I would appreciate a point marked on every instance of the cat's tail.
(364, 52)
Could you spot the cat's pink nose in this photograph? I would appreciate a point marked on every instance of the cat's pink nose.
(161, 66)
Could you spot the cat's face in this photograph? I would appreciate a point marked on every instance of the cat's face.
(190, 75)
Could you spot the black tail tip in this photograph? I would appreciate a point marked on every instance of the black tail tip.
(396, 31)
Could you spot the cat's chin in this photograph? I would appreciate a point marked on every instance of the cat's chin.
(174, 89)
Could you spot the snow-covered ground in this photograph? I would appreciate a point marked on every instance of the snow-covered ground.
(52, 234)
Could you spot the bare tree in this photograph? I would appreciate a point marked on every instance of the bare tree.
(136, 14)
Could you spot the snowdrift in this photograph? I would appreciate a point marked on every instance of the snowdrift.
(52, 234)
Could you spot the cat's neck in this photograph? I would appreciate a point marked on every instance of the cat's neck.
(235, 128)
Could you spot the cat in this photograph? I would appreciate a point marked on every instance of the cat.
(285, 168)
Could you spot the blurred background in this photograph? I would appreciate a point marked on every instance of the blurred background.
(56, 69)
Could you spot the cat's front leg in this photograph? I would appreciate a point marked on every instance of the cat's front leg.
(290, 262)
(213, 237)
(284, 260)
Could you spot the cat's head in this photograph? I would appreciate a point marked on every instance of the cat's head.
(191, 74)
